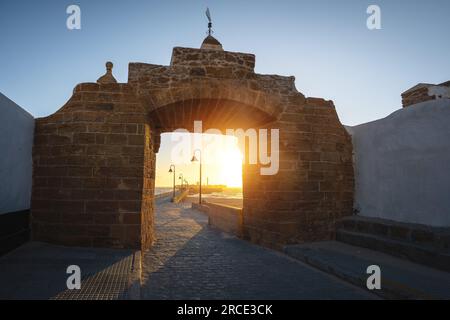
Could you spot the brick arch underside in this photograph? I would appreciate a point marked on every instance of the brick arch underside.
(94, 163)
(218, 114)
(314, 185)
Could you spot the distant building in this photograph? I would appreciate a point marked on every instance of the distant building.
(425, 92)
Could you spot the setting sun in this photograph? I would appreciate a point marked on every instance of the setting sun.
(231, 166)
(221, 159)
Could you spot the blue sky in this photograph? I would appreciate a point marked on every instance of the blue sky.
(324, 44)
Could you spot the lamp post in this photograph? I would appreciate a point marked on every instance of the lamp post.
(194, 159)
(181, 178)
(173, 171)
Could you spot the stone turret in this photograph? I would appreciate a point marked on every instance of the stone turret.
(211, 43)
(108, 76)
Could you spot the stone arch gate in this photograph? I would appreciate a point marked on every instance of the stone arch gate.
(94, 159)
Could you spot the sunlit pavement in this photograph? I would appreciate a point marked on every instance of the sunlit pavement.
(191, 260)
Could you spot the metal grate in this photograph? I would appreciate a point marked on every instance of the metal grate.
(105, 283)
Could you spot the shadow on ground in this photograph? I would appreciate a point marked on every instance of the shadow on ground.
(38, 271)
(191, 260)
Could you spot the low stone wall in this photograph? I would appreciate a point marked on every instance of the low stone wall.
(163, 195)
(226, 218)
(179, 195)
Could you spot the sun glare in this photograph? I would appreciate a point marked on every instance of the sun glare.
(231, 166)
(221, 158)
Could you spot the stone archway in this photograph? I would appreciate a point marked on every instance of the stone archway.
(94, 159)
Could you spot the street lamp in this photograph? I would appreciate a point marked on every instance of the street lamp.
(181, 178)
(173, 171)
(194, 159)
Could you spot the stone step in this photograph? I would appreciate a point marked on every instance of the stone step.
(437, 237)
(423, 254)
(400, 279)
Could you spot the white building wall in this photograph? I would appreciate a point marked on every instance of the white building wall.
(16, 141)
(402, 165)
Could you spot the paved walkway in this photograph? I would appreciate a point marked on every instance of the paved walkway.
(38, 271)
(191, 260)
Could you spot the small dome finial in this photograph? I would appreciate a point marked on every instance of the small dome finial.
(210, 43)
(108, 76)
(109, 66)
(208, 15)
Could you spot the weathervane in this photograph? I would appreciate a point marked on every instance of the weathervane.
(208, 15)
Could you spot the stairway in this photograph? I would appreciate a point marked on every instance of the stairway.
(421, 244)
(400, 278)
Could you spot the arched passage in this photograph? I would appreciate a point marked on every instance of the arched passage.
(219, 114)
(94, 159)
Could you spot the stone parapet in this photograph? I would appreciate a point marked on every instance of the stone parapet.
(226, 218)
(212, 58)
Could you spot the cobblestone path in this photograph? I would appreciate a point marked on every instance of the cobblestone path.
(191, 260)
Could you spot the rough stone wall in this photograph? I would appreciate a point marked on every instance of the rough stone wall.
(219, 62)
(416, 96)
(148, 189)
(426, 92)
(314, 186)
(88, 170)
(103, 135)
